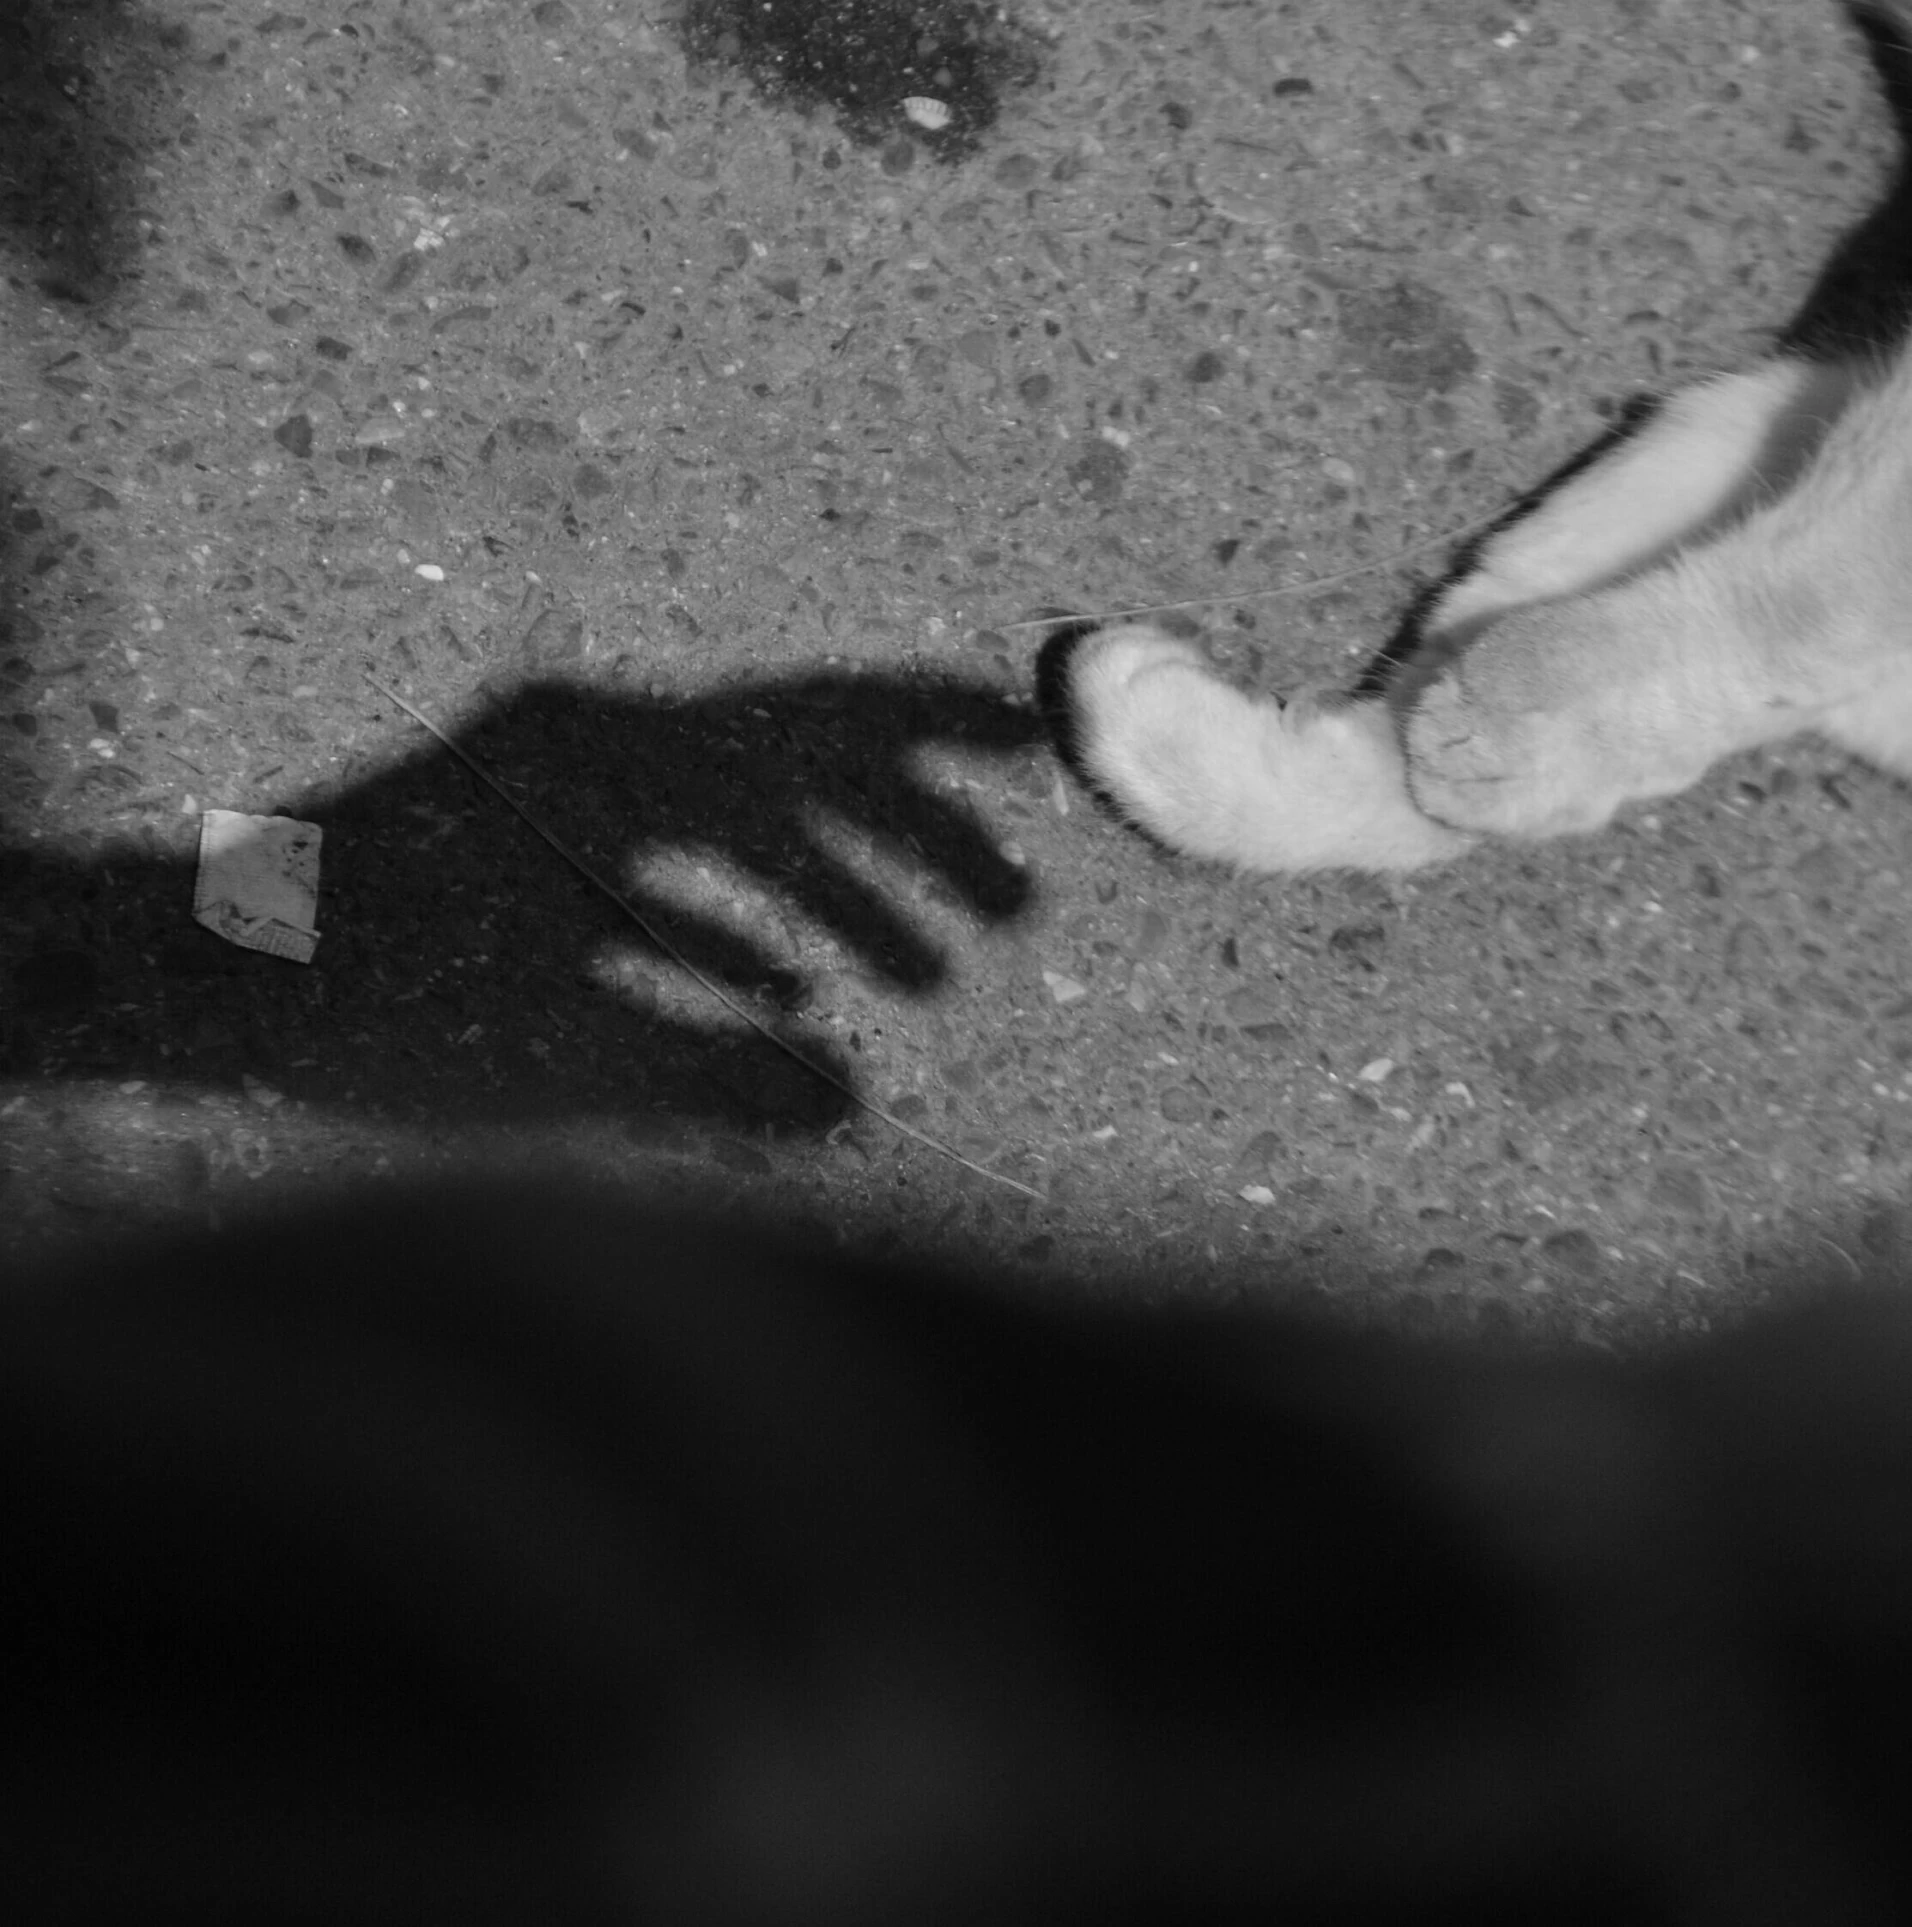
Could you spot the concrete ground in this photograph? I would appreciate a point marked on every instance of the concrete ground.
(697, 460)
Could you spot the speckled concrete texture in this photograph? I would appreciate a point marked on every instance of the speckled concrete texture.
(699, 468)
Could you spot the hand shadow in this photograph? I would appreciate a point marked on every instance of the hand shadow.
(464, 971)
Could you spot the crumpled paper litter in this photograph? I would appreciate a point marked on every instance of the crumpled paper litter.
(258, 883)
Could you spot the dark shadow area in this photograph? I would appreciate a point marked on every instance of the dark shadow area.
(509, 1554)
(863, 59)
(464, 971)
(19, 632)
(75, 118)
(80, 108)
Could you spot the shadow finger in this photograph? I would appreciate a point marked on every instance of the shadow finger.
(944, 833)
(858, 913)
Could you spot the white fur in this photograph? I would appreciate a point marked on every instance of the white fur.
(1737, 571)
(1706, 455)
(1795, 615)
(1263, 784)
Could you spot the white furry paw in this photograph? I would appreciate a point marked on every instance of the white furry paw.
(1502, 743)
(1219, 774)
(1151, 718)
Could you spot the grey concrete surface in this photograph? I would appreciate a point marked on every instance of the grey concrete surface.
(482, 345)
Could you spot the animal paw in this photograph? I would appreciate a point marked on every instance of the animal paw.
(1251, 781)
(1156, 730)
(1507, 741)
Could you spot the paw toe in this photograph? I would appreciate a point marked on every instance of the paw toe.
(1113, 659)
(1447, 736)
(1466, 766)
(1130, 684)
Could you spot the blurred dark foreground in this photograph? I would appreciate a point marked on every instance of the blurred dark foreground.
(501, 1554)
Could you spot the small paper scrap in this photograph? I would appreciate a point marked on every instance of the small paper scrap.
(258, 883)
